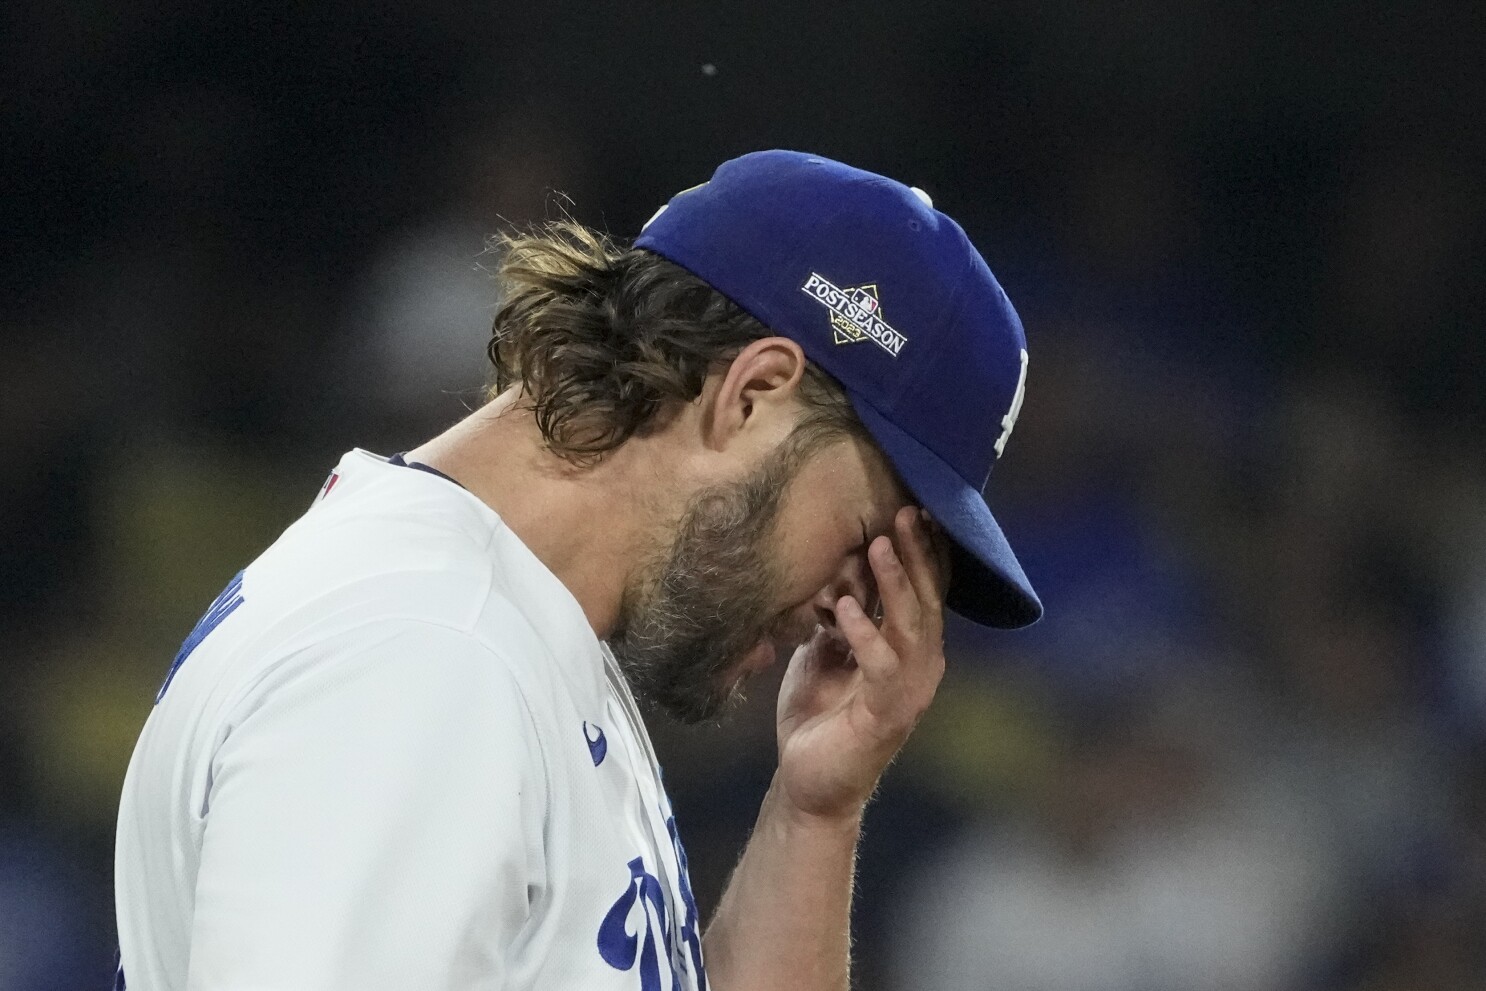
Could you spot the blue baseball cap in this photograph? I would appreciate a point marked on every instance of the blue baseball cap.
(888, 296)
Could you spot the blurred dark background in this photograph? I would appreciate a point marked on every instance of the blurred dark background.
(1247, 747)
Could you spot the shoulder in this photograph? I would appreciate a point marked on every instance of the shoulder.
(391, 543)
(406, 596)
(394, 697)
(391, 664)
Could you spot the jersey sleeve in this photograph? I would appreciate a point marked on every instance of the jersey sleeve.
(374, 822)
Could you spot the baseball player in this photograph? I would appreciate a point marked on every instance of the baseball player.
(404, 748)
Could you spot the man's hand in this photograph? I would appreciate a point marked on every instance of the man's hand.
(845, 709)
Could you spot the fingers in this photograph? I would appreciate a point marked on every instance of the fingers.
(919, 556)
(874, 655)
(910, 580)
(901, 603)
(943, 553)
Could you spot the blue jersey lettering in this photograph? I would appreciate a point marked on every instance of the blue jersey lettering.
(221, 608)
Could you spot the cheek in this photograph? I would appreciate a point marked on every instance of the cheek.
(819, 534)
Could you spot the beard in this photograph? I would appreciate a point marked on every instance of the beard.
(707, 600)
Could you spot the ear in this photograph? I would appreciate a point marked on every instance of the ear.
(757, 393)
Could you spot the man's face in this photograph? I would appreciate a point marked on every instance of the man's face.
(754, 570)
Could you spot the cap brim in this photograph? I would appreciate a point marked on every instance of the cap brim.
(987, 584)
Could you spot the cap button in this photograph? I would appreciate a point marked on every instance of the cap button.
(923, 197)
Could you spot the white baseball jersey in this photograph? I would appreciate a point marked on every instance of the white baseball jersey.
(394, 755)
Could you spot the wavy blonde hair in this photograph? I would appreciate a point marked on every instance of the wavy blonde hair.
(606, 342)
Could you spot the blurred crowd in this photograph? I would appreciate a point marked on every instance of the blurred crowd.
(1246, 749)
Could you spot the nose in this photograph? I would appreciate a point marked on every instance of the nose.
(854, 579)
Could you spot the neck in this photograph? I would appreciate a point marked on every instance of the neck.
(591, 526)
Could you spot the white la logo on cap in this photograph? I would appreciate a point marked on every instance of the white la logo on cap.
(663, 206)
(1008, 422)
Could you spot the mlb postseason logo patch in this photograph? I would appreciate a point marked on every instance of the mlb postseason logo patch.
(856, 314)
